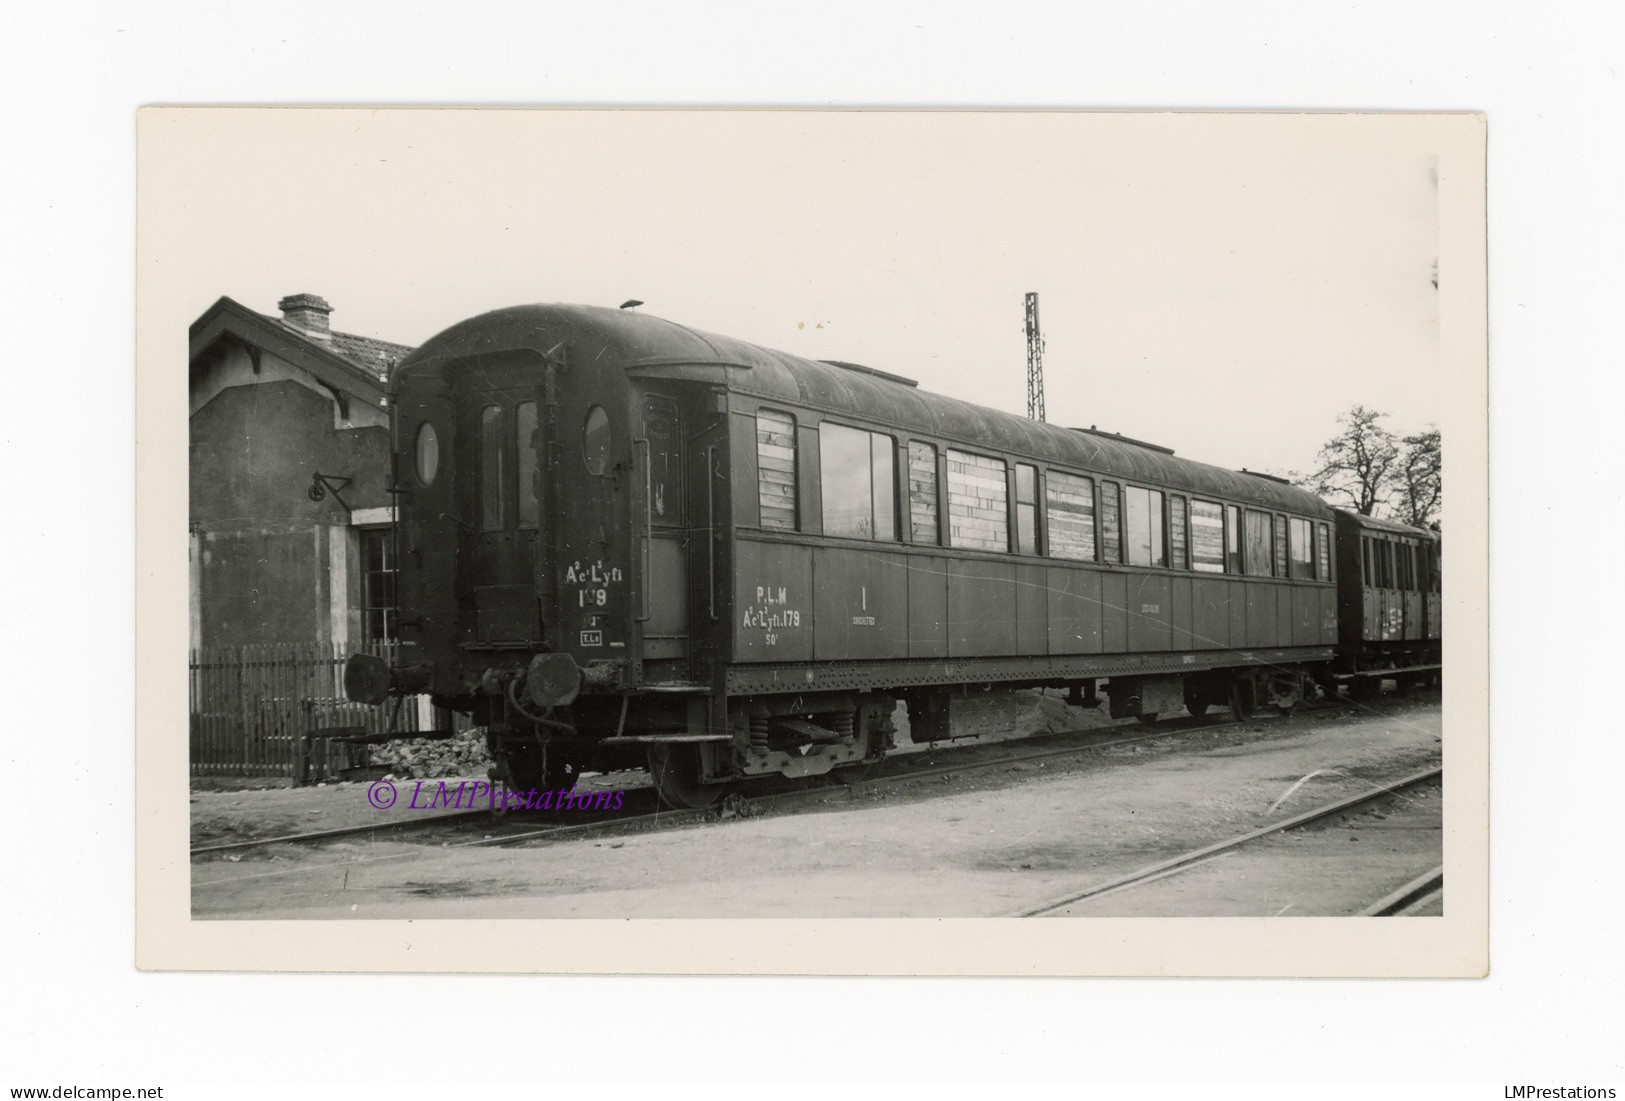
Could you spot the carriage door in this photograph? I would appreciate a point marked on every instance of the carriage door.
(665, 535)
(500, 430)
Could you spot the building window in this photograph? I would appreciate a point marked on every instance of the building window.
(493, 470)
(378, 585)
(1303, 555)
(978, 502)
(776, 469)
(858, 480)
(1143, 529)
(524, 420)
(1260, 539)
(1111, 530)
(922, 493)
(1207, 537)
(1323, 552)
(1069, 516)
(1026, 509)
(1176, 533)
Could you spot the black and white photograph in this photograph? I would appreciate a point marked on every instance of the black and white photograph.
(827, 515)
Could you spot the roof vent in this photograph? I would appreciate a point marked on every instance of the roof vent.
(1120, 438)
(875, 371)
(307, 313)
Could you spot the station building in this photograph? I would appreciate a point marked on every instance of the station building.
(289, 466)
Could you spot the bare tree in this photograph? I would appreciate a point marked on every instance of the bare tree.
(1420, 488)
(1359, 464)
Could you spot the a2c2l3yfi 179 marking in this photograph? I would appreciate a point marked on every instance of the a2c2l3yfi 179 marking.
(595, 579)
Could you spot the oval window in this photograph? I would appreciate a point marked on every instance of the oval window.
(595, 440)
(428, 453)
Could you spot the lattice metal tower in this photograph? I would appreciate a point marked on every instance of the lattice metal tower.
(1035, 360)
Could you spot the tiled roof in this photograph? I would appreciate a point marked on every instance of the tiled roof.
(375, 355)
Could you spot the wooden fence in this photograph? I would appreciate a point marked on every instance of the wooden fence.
(256, 711)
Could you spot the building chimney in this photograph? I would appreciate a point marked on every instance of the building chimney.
(307, 313)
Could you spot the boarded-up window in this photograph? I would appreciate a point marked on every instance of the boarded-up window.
(1111, 526)
(524, 420)
(978, 502)
(493, 470)
(922, 493)
(1303, 555)
(1026, 509)
(1260, 538)
(1323, 553)
(1280, 546)
(776, 469)
(1207, 537)
(1143, 529)
(1069, 516)
(857, 481)
(1176, 533)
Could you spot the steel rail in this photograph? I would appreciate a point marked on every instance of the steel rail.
(1421, 889)
(1196, 856)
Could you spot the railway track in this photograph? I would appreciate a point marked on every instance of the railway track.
(1408, 898)
(733, 806)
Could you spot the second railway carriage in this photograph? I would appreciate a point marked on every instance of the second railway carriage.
(622, 541)
(1390, 607)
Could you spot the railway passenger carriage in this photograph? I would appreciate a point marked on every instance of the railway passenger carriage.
(625, 542)
(1390, 605)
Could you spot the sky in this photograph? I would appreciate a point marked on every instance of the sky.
(1224, 286)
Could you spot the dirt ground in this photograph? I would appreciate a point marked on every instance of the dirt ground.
(251, 810)
(986, 844)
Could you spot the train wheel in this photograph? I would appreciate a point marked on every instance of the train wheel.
(676, 773)
(1194, 703)
(1241, 700)
(531, 767)
(853, 774)
(874, 722)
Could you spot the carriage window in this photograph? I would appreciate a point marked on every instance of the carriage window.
(1303, 554)
(493, 455)
(1323, 552)
(1069, 515)
(922, 492)
(1280, 546)
(1207, 537)
(857, 475)
(1260, 537)
(1385, 564)
(1232, 538)
(978, 502)
(1365, 560)
(524, 420)
(776, 469)
(1176, 533)
(1111, 527)
(1143, 530)
(594, 439)
(428, 454)
(1026, 509)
